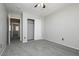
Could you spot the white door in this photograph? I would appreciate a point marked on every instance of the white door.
(30, 31)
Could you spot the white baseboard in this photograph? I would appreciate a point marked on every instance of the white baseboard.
(65, 45)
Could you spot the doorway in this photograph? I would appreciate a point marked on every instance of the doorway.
(14, 29)
(30, 30)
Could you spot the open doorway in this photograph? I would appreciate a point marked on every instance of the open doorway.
(30, 30)
(14, 29)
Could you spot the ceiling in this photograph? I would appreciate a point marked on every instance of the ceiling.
(28, 7)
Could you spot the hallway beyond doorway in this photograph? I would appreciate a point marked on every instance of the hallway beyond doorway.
(14, 29)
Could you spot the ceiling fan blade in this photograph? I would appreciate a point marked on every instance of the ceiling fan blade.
(36, 5)
(44, 6)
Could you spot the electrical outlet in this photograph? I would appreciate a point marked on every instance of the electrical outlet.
(62, 39)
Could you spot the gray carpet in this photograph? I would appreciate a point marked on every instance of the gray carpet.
(38, 48)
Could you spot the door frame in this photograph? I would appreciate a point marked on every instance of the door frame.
(9, 29)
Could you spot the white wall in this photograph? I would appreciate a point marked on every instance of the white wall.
(64, 23)
(24, 16)
(3, 28)
(14, 14)
(43, 27)
(38, 26)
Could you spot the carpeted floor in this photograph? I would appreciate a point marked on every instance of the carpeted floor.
(38, 48)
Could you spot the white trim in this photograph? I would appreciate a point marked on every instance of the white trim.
(8, 30)
(65, 45)
(20, 29)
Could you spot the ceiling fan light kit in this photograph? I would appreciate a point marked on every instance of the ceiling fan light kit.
(40, 5)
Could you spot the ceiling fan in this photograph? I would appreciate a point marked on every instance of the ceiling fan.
(40, 4)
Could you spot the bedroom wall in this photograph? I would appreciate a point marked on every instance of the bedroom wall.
(64, 24)
(43, 27)
(38, 26)
(24, 16)
(14, 14)
(3, 28)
